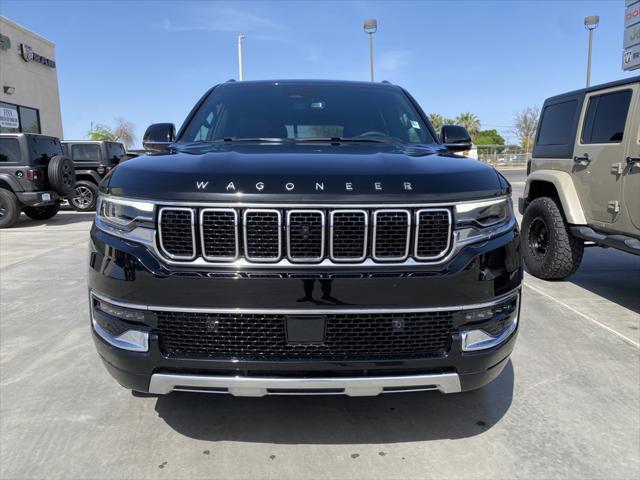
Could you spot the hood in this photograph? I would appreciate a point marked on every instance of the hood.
(315, 172)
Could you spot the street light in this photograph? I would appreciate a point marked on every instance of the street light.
(240, 38)
(370, 27)
(590, 23)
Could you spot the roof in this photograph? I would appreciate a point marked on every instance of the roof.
(25, 30)
(593, 88)
(233, 83)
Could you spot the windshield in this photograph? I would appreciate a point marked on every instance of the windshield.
(299, 112)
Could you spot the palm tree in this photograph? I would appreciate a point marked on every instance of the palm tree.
(437, 121)
(469, 121)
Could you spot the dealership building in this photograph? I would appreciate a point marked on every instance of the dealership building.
(29, 97)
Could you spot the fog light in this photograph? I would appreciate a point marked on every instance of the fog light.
(480, 337)
(111, 323)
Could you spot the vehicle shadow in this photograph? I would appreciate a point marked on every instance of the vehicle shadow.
(610, 274)
(62, 218)
(389, 418)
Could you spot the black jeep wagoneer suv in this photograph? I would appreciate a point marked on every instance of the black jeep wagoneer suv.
(304, 237)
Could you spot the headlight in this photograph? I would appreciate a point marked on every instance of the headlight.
(130, 219)
(483, 219)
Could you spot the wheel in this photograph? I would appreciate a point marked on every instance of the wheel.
(62, 175)
(86, 196)
(9, 209)
(550, 251)
(42, 213)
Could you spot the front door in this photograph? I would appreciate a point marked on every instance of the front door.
(600, 152)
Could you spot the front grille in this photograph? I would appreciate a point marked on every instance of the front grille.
(262, 235)
(391, 230)
(263, 336)
(266, 235)
(219, 230)
(177, 235)
(305, 230)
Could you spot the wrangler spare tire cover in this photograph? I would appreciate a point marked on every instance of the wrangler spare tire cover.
(62, 175)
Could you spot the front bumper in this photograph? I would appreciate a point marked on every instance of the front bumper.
(131, 275)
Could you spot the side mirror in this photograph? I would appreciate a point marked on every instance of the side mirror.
(159, 136)
(455, 138)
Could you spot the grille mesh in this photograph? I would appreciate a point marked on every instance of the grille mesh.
(262, 231)
(306, 235)
(432, 233)
(260, 337)
(391, 234)
(177, 232)
(219, 234)
(349, 234)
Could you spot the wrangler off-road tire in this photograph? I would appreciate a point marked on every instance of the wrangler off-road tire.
(549, 249)
(62, 175)
(9, 208)
(42, 213)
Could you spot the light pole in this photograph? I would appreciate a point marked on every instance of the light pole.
(370, 27)
(590, 23)
(240, 38)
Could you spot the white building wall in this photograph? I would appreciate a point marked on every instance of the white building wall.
(35, 84)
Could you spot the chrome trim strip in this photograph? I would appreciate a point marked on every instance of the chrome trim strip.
(288, 231)
(193, 233)
(235, 221)
(365, 214)
(306, 311)
(246, 246)
(417, 220)
(162, 383)
(375, 235)
(317, 205)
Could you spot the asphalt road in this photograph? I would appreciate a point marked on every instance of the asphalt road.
(567, 405)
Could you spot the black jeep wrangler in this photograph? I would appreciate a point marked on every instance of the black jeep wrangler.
(34, 177)
(305, 237)
(93, 160)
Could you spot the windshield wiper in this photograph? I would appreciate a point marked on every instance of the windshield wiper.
(255, 139)
(344, 139)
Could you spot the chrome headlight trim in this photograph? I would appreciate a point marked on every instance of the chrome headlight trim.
(137, 225)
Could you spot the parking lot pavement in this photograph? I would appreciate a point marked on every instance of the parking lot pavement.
(567, 405)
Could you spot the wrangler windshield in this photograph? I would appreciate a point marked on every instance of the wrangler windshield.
(299, 112)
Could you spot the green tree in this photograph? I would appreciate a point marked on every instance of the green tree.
(469, 121)
(101, 133)
(489, 137)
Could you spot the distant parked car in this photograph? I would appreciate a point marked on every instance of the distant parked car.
(92, 160)
(34, 176)
(584, 179)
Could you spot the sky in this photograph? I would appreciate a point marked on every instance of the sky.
(151, 61)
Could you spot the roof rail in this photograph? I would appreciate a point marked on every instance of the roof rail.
(230, 80)
(386, 81)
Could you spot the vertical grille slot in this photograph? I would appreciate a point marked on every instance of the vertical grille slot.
(348, 242)
(433, 233)
(177, 233)
(262, 235)
(219, 234)
(305, 235)
(391, 232)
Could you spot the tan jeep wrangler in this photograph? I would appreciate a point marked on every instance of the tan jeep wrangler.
(583, 183)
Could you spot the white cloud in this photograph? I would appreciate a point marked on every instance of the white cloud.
(228, 20)
(392, 61)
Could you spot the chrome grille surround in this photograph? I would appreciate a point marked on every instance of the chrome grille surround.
(203, 243)
(416, 247)
(377, 229)
(456, 242)
(166, 251)
(332, 228)
(289, 228)
(248, 236)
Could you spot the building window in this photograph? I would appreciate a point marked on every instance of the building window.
(16, 119)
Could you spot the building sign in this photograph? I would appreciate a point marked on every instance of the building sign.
(9, 118)
(631, 42)
(28, 55)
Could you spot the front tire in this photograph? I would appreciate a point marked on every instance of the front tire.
(550, 251)
(86, 196)
(9, 209)
(42, 213)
